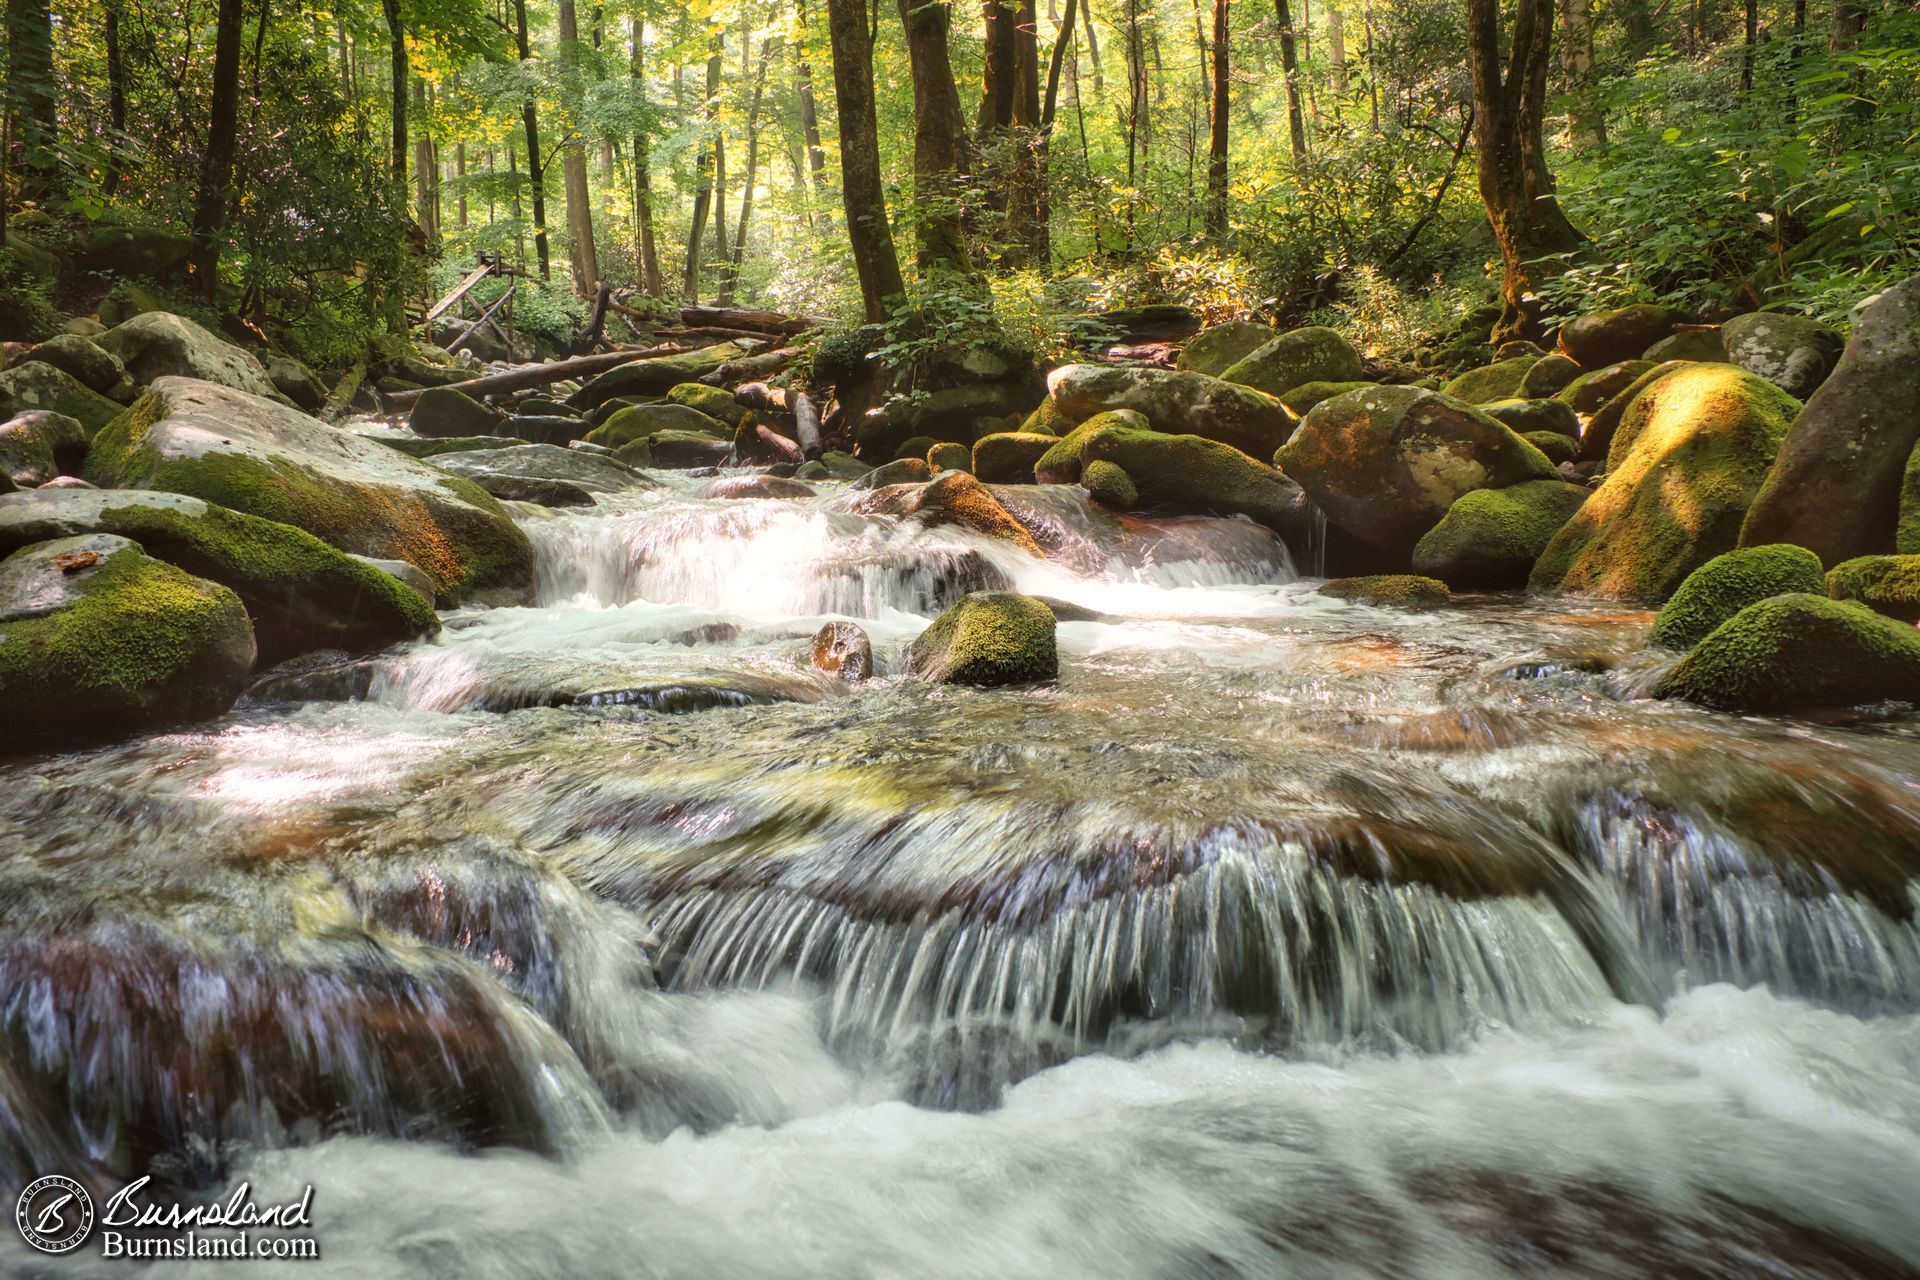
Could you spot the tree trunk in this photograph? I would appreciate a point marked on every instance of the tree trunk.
(650, 280)
(999, 73)
(536, 166)
(731, 283)
(868, 232)
(1063, 45)
(582, 254)
(940, 159)
(216, 165)
(1747, 46)
(809, 110)
(704, 169)
(33, 98)
(1217, 133)
(1337, 57)
(1290, 73)
(116, 96)
(1585, 121)
(397, 39)
(1849, 20)
(460, 174)
(1136, 99)
(1509, 113)
(426, 199)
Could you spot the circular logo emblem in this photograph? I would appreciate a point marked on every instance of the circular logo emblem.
(54, 1213)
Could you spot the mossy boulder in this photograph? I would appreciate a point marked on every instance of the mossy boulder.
(1625, 333)
(1836, 488)
(656, 376)
(35, 384)
(1175, 402)
(955, 498)
(300, 593)
(154, 252)
(1596, 439)
(1690, 455)
(1557, 447)
(98, 640)
(950, 457)
(1190, 475)
(987, 638)
(644, 421)
(452, 413)
(1386, 463)
(1062, 461)
(589, 472)
(270, 460)
(1589, 391)
(1312, 354)
(1702, 345)
(914, 447)
(87, 362)
(681, 450)
(1794, 353)
(1799, 652)
(1308, 394)
(159, 344)
(1007, 457)
(1490, 538)
(1215, 350)
(1389, 591)
(716, 402)
(415, 447)
(1498, 381)
(1549, 376)
(1885, 584)
(1728, 583)
(1526, 416)
(1110, 486)
(947, 413)
(294, 380)
(38, 445)
(1045, 420)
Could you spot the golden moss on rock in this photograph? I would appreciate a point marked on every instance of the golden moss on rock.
(987, 638)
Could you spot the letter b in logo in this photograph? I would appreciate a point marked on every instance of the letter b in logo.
(54, 1213)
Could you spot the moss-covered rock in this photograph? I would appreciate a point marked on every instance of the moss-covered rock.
(914, 447)
(955, 498)
(1885, 584)
(1215, 350)
(655, 377)
(1836, 487)
(1313, 354)
(1308, 394)
(1190, 475)
(136, 250)
(294, 380)
(644, 421)
(832, 465)
(1556, 447)
(36, 385)
(1498, 381)
(38, 445)
(716, 402)
(1008, 457)
(681, 450)
(1389, 591)
(1625, 333)
(1728, 583)
(159, 344)
(987, 638)
(1530, 416)
(588, 471)
(99, 640)
(1110, 486)
(899, 471)
(1589, 391)
(1549, 376)
(270, 460)
(1386, 463)
(950, 457)
(1596, 440)
(1490, 538)
(1175, 402)
(1799, 652)
(1691, 452)
(1702, 345)
(300, 593)
(1062, 461)
(414, 447)
(451, 413)
(1045, 420)
(86, 362)
(1794, 353)
(948, 413)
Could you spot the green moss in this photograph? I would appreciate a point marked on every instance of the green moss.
(1498, 381)
(1489, 539)
(1558, 448)
(1046, 420)
(716, 402)
(842, 356)
(914, 447)
(1188, 475)
(1390, 591)
(1885, 584)
(950, 457)
(1061, 463)
(1906, 529)
(1308, 394)
(1726, 584)
(1799, 652)
(1107, 484)
(1591, 390)
(1008, 457)
(988, 638)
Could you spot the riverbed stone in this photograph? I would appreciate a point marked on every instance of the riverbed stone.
(1389, 591)
(270, 460)
(716, 402)
(1218, 348)
(293, 379)
(1311, 354)
(1008, 457)
(1589, 391)
(1624, 333)
(1498, 381)
(1176, 403)
(1549, 376)
(1308, 394)
(451, 412)
(1191, 475)
(34, 384)
(160, 344)
(1596, 437)
(1490, 538)
(1728, 583)
(657, 376)
(899, 471)
(954, 497)
(987, 638)
(1703, 345)
(1799, 652)
(1794, 353)
(1108, 484)
(740, 488)
(644, 421)
(1558, 448)
(843, 649)
(592, 473)
(950, 457)
(1885, 584)
(87, 362)
(1527, 416)
(99, 640)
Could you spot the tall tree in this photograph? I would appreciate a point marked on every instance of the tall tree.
(868, 233)
(704, 169)
(573, 171)
(809, 111)
(1217, 122)
(426, 189)
(940, 154)
(1290, 74)
(649, 251)
(1064, 47)
(32, 97)
(731, 283)
(216, 162)
(1509, 114)
(397, 51)
(1585, 121)
(536, 164)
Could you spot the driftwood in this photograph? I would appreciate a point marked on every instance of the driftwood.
(539, 375)
(754, 366)
(758, 395)
(344, 391)
(760, 322)
(806, 424)
(778, 444)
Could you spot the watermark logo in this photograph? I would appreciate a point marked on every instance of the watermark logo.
(55, 1214)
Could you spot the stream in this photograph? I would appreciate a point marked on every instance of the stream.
(1283, 936)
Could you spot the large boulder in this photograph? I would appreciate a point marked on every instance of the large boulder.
(1500, 380)
(1836, 488)
(1386, 463)
(1313, 354)
(1007, 457)
(1885, 584)
(300, 593)
(1489, 539)
(1689, 456)
(1799, 652)
(1728, 583)
(942, 414)
(655, 377)
(38, 445)
(148, 251)
(35, 384)
(159, 344)
(1213, 351)
(1596, 438)
(644, 421)
(1549, 376)
(1703, 345)
(1191, 475)
(955, 498)
(1528, 416)
(294, 380)
(1175, 402)
(589, 472)
(89, 364)
(1309, 394)
(269, 460)
(442, 412)
(1608, 337)
(1794, 353)
(987, 638)
(1589, 391)
(97, 639)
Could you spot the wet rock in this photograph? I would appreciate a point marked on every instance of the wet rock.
(36, 446)
(988, 638)
(1690, 454)
(946, 413)
(1107, 484)
(1312, 354)
(265, 459)
(1063, 460)
(1008, 457)
(900, 471)
(1308, 394)
(1530, 416)
(1390, 591)
(415, 447)
(300, 593)
(1608, 337)
(1702, 345)
(1067, 611)
(1189, 475)
(843, 649)
(1549, 376)
(680, 450)
(574, 468)
(1799, 652)
(98, 640)
(1728, 583)
(1498, 381)
(950, 457)
(832, 465)
(1596, 441)
(1866, 414)
(1172, 401)
(742, 487)
(560, 429)
(644, 421)
(1386, 463)
(952, 498)
(400, 569)
(159, 344)
(34, 385)
(655, 377)
(1885, 584)
(1794, 353)
(86, 362)
(1490, 538)
(1589, 391)
(451, 412)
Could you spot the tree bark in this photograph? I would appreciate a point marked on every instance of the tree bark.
(704, 168)
(999, 74)
(216, 166)
(397, 39)
(1509, 113)
(650, 281)
(536, 166)
(809, 110)
(1586, 123)
(585, 259)
(940, 157)
(1217, 121)
(426, 196)
(1290, 73)
(868, 232)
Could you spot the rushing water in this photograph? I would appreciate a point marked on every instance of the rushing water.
(1281, 936)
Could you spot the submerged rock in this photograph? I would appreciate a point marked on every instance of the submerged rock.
(1794, 353)
(98, 640)
(1312, 354)
(1171, 401)
(159, 344)
(1728, 583)
(1885, 584)
(1490, 538)
(745, 487)
(843, 649)
(1799, 652)
(1389, 591)
(987, 638)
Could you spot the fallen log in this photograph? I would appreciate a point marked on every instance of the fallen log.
(539, 375)
(710, 334)
(754, 366)
(778, 444)
(761, 322)
(760, 396)
(344, 391)
(806, 424)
